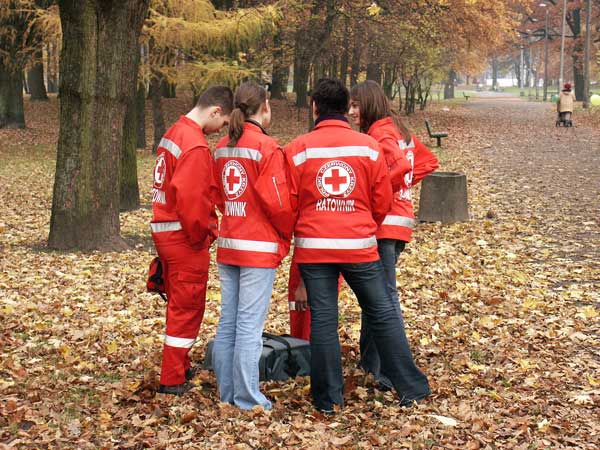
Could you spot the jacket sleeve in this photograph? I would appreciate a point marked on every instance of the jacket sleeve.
(381, 190)
(273, 192)
(294, 180)
(425, 161)
(194, 186)
(396, 161)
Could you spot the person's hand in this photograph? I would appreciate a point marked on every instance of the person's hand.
(300, 297)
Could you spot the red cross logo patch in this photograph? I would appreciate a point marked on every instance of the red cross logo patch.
(160, 171)
(235, 179)
(336, 179)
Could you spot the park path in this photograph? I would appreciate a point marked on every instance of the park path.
(546, 174)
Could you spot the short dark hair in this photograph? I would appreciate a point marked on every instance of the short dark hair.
(217, 96)
(330, 97)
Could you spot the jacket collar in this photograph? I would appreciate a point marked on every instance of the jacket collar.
(253, 125)
(380, 123)
(332, 121)
(190, 123)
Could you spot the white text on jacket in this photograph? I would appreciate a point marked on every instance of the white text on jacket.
(335, 204)
(237, 209)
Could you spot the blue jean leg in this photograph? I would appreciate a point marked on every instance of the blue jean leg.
(256, 285)
(389, 251)
(224, 344)
(368, 282)
(326, 379)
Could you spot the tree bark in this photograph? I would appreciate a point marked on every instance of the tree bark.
(495, 73)
(355, 65)
(158, 118)
(11, 98)
(129, 191)
(301, 73)
(574, 21)
(141, 115)
(35, 78)
(52, 73)
(100, 41)
(449, 85)
(345, 59)
(279, 79)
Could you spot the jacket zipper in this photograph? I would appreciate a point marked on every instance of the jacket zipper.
(277, 191)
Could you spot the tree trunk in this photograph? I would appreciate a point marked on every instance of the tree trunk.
(301, 73)
(279, 78)
(100, 41)
(449, 85)
(574, 21)
(35, 79)
(52, 73)
(129, 191)
(168, 90)
(158, 118)
(11, 98)
(141, 115)
(494, 73)
(345, 59)
(355, 65)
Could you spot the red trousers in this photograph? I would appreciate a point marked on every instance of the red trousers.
(186, 275)
(299, 320)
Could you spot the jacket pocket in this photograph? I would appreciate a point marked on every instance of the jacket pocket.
(188, 290)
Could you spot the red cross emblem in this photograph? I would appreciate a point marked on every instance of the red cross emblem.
(336, 178)
(235, 179)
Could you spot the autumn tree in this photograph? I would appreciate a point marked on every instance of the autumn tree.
(99, 44)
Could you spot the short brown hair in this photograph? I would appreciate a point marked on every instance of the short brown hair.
(374, 105)
(217, 96)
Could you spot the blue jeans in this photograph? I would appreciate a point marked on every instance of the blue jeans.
(245, 297)
(368, 282)
(389, 251)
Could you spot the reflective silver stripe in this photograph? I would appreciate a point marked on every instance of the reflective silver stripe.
(335, 152)
(171, 146)
(160, 227)
(335, 244)
(399, 221)
(405, 146)
(238, 152)
(248, 246)
(172, 341)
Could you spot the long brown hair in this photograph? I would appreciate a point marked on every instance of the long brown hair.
(374, 105)
(247, 101)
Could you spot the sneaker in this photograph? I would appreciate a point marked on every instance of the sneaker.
(177, 389)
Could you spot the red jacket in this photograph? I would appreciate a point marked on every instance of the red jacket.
(341, 188)
(400, 220)
(184, 189)
(257, 222)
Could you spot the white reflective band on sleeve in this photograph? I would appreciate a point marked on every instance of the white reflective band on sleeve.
(399, 221)
(238, 152)
(247, 245)
(171, 146)
(179, 342)
(160, 227)
(335, 152)
(405, 146)
(335, 244)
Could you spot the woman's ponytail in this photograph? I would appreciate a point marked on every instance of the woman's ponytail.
(236, 126)
(248, 99)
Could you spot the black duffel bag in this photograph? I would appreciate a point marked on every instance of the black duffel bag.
(282, 357)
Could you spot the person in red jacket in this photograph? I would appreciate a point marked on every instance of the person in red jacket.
(184, 224)
(370, 110)
(255, 235)
(341, 190)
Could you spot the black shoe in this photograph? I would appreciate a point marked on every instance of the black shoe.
(384, 384)
(177, 389)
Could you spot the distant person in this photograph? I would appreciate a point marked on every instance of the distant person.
(184, 224)
(256, 229)
(565, 103)
(340, 183)
(410, 161)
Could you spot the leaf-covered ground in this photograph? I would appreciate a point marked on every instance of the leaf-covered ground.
(502, 312)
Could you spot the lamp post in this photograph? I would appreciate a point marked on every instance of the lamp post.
(586, 71)
(545, 6)
(562, 46)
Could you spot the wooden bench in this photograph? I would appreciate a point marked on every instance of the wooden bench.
(467, 97)
(438, 135)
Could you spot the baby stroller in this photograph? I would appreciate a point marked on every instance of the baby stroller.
(564, 119)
